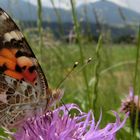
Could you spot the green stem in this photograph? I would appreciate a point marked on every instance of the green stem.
(136, 66)
(58, 17)
(97, 73)
(39, 23)
(112, 67)
(136, 83)
(78, 35)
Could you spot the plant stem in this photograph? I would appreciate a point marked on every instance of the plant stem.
(78, 37)
(58, 17)
(136, 65)
(39, 23)
(136, 83)
(96, 72)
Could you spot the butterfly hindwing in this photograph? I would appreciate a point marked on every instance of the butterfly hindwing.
(15, 106)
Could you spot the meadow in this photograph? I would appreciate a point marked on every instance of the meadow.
(103, 77)
(115, 73)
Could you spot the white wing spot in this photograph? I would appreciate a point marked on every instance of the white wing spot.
(17, 35)
(3, 97)
(4, 16)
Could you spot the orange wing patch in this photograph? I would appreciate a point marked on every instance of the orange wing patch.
(8, 54)
(28, 67)
(7, 63)
(14, 74)
(21, 67)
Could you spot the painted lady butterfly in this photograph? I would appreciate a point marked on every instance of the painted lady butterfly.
(23, 87)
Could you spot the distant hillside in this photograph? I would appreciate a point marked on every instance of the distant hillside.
(101, 15)
(24, 11)
(107, 12)
(20, 10)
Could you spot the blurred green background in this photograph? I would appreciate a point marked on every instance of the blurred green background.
(61, 32)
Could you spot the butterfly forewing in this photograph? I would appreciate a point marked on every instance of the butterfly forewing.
(14, 47)
(23, 86)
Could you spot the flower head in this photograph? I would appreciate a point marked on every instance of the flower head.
(132, 105)
(59, 125)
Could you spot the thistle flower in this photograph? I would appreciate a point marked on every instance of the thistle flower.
(59, 125)
(132, 105)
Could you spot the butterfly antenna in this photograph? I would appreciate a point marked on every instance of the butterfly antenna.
(64, 105)
(74, 66)
(84, 65)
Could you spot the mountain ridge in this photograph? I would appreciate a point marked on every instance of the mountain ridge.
(108, 12)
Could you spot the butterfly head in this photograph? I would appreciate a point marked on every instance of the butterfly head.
(56, 96)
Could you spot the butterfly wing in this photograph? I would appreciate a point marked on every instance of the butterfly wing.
(23, 86)
(18, 101)
(16, 57)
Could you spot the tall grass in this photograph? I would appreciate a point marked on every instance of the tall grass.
(58, 18)
(101, 89)
(107, 79)
(39, 23)
(136, 85)
(78, 32)
(96, 73)
(136, 75)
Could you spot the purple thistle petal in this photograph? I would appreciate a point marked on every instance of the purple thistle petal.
(59, 125)
(131, 105)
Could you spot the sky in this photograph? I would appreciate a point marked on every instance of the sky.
(132, 4)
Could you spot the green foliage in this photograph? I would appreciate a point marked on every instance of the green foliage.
(117, 66)
(113, 69)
